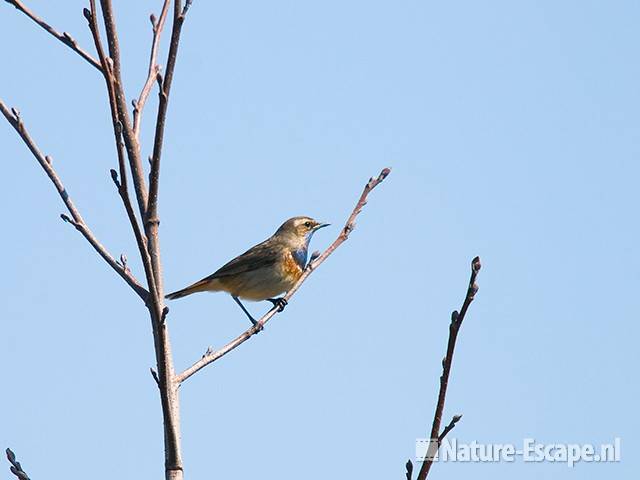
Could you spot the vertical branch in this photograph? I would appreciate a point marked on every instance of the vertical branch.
(168, 382)
(154, 68)
(121, 182)
(131, 143)
(149, 245)
(152, 221)
(454, 327)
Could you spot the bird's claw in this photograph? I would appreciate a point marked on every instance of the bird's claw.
(279, 302)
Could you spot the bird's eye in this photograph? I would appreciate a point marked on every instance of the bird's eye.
(307, 224)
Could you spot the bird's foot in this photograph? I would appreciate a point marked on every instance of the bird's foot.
(258, 326)
(279, 302)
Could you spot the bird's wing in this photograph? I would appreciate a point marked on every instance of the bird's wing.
(262, 255)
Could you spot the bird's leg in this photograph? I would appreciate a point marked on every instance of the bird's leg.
(278, 302)
(253, 320)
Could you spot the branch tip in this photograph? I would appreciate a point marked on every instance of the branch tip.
(457, 317)
(409, 467)
(16, 468)
(87, 14)
(114, 177)
(186, 8)
(375, 181)
(448, 428)
(68, 39)
(154, 374)
(152, 19)
(476, 265)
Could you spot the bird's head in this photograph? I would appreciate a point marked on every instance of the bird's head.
(299, 229)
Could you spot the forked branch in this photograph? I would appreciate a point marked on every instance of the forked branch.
(212, 355)
(436, 437)
(154, 69)
(130, 141)
(151, 219)
(121, 180)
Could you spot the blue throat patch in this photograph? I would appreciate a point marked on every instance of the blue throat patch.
(300, 256)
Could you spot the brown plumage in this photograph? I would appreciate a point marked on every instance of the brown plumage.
(265, 270)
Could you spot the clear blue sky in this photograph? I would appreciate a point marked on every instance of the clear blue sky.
(513, 132)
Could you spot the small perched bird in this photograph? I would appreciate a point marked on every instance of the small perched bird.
(265, 270)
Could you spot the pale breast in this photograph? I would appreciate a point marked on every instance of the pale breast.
(267, 282)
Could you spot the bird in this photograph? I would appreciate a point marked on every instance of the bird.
(266, 270)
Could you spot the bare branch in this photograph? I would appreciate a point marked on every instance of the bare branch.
(212, 356)
(126, 139)
(131, 142)
(151, 256)
(15, 467)
(64, 37)
(454, 327)
(121, 181)
(76, 219)
(151, 220)
(154, 68)
(448, 428)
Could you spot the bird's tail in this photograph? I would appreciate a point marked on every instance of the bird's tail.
(200, 286)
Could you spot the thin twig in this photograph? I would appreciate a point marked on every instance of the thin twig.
(448, 428)
(121, 181)
(454, 327)
(15, 467)
(154, 68)
(64, 37)
(131, 142)
(14, 119)
(151, 219)
(212, 356)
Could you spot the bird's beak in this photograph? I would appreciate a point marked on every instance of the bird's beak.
(321, 225)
